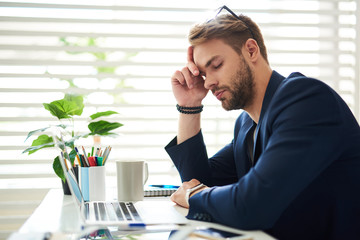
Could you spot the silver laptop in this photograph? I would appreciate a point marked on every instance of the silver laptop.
(114, 213)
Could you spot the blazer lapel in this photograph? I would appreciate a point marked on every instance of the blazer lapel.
(241, 148)
(273, 85)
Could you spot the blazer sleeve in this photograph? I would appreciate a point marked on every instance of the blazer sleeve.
(306, 130)
(191, 160)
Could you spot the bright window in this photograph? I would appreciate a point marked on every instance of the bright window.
(121, 55)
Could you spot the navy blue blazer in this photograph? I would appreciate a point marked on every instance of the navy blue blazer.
(304, 182)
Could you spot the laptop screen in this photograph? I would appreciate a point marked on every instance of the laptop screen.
(58, 138)
(74, 186)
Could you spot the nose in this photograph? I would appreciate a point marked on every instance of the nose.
(210, 82)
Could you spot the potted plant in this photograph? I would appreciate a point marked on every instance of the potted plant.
(65, 109)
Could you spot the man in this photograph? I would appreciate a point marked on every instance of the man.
(293, 166)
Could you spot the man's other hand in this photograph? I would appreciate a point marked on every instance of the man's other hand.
(179, 196)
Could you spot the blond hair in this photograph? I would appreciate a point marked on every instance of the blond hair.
(231, 30)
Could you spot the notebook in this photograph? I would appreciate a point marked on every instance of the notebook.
(158, 192)
(113, 213)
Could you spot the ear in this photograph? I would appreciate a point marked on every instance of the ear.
(252, 50)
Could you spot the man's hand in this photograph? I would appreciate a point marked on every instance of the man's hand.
(179, 196)
(188, 85)
(190, 62)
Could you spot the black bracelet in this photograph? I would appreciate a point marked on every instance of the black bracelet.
(189, 108)
(193, 110)
(190, 112)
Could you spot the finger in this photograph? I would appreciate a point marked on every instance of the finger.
(190, 62)
(178, 77)
(172, 197)
(190, 52)
(177, 196)
(189, 79)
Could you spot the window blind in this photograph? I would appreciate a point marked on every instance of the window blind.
(120, 55)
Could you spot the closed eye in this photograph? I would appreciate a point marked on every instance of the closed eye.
(218, 66)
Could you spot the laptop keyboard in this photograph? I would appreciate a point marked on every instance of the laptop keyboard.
(114, 211)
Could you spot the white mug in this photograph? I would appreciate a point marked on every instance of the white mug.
(131, 177)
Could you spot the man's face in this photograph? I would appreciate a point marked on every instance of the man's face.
(226, 74)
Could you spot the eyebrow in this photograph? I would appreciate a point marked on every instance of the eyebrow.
(210, 61)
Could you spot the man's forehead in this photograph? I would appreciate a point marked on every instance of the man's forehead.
(207, 51)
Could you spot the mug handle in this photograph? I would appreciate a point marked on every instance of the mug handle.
(146, 172)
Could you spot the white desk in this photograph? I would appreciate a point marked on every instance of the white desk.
(57, 214)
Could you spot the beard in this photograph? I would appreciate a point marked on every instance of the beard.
(243, 90)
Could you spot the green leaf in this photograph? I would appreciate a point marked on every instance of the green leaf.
(91, 42)
(71, 142)
(100, 55)
(55, 109)
(43, 141)
(36, 131)
(72, 156)
(31, 150)
(58, 169)
(78, 100)
(42, 130)
(102, 114)
(106, 69)
(103, 127)
(66, 108)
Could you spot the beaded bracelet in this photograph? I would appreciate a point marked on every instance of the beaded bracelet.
(193, 110)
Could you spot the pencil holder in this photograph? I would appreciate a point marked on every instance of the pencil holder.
(92, 183)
